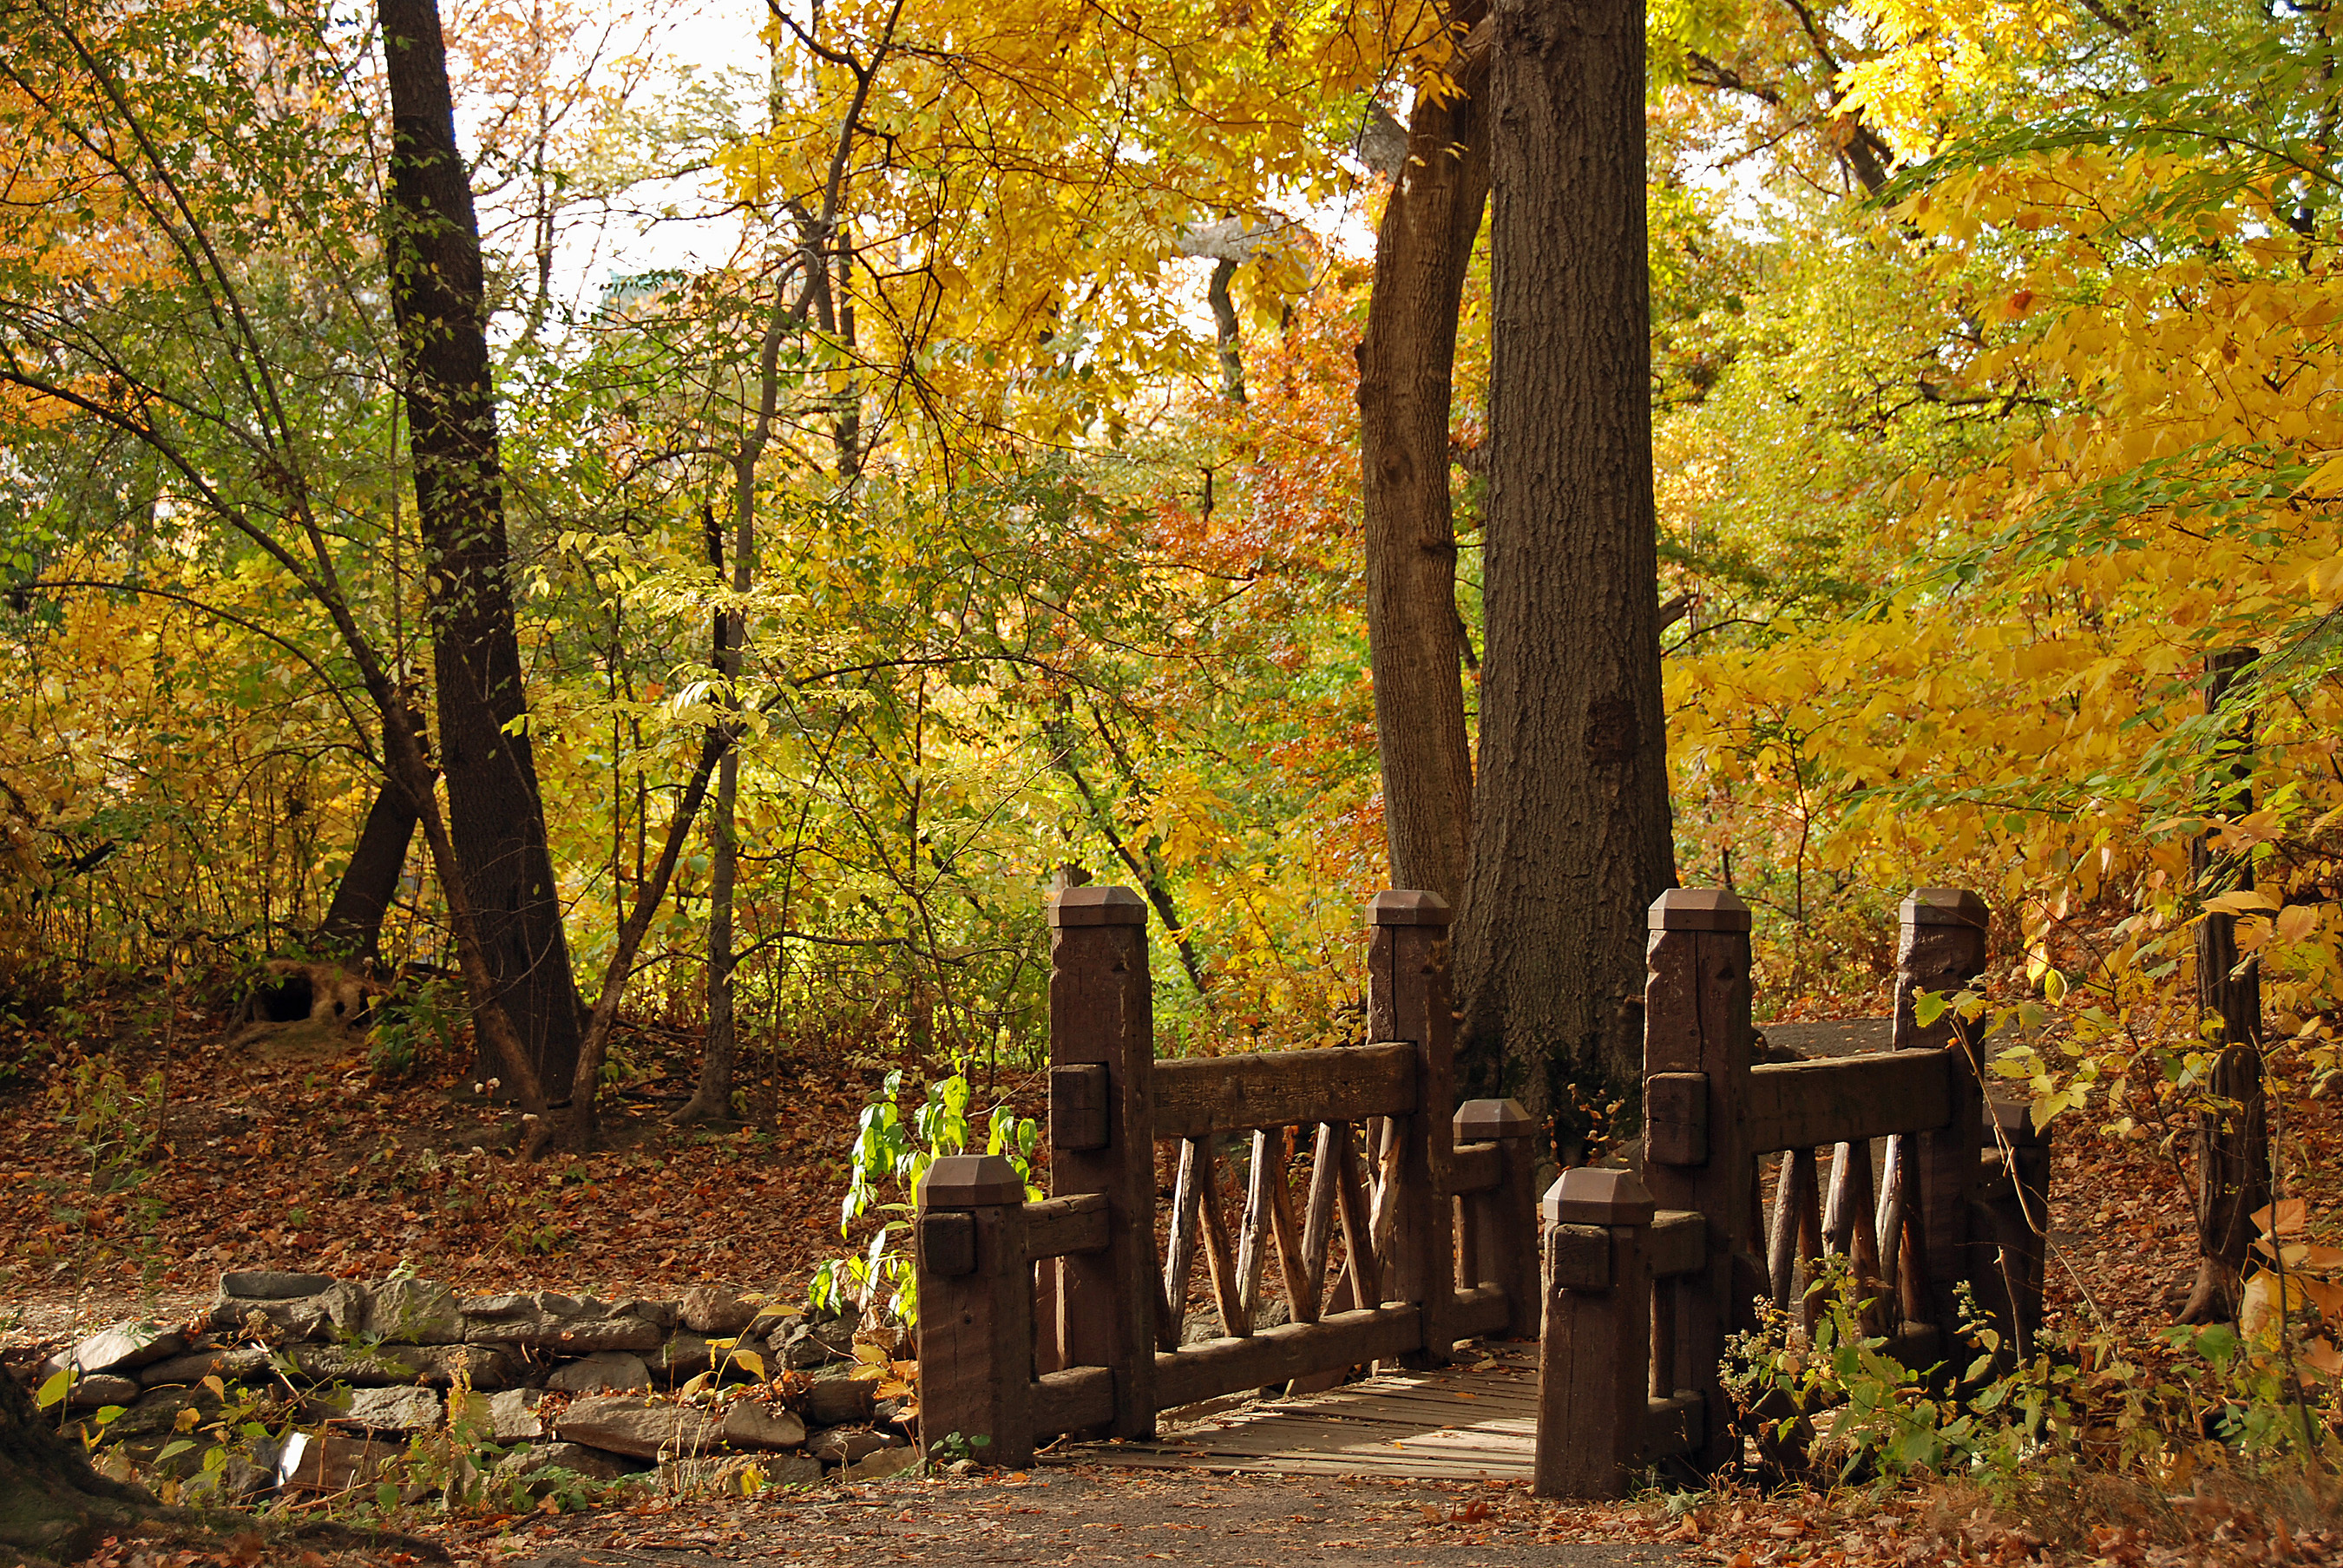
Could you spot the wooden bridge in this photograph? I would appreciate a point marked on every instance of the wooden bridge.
(1419, 1250)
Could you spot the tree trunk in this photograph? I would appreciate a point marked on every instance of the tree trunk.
(711, 1098)
(353, 922)
(53, 1505)
(1570, 831)
(2233, 1132)
(496, 816)
(1406, 369)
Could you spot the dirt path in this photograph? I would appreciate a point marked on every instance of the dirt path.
(1083, 1515)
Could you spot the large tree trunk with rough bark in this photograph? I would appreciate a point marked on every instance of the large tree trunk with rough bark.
(1569, 823)
(495, 814)
(1406, 372)
(2233, 1174)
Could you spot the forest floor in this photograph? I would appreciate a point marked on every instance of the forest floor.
(276, 1147)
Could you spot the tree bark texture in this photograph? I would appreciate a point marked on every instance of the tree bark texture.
(1569, 823)
(495, 815)
(353, 922)
(53, 1505)
(2233, 1176)
(1407, 360)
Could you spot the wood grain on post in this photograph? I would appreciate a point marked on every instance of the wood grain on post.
(1408, 999)
(1696, 1022)
(1318, 1224)
(1102, 1011)
(1219, 1258)
(1942, 949)
(1252, 1247)
(1502, 1221)
(1300, 1289)
(1180, 1252)
(976, 1307)
(1364, 1271)
(1595, 1355)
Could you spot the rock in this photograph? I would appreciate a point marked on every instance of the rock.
(963, 1468)
(415, 1312)
(101, 1388)
(268, 1285)
(836, 1335)
(884, 1463)
(320, 1462)
(125, 1346)
(686, 1354)
(845, 1444)
(590, 1464)
(621, 1424)
(512, 1415)
(750, 1424)
(717, 1310)
(237, 1481)
(800, 1352)
(837, 1400)
(592, 1374)
(550, 1320)
(341, 1307)
(382, 1366)
(394, 1410)
(231, 1362)
(666, 1314)
(157, 1412)
(791, 1470)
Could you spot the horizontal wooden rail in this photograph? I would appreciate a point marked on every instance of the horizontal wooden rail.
(1057, 1226)
(1673, 1426)
(1288, 1350)
(1196, 1097)
(1074, 1399)
(1849, 1100)
(1679, 1243)
(1476, 1167)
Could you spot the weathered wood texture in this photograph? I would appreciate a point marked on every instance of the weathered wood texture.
(1289, 1350)
(1696, 1028)
(1102, 1013)
(1594, 1358)
(1198, 1096)
(976, 1325)
(1408, 1000)
(1810, 1104)
(1942, 949)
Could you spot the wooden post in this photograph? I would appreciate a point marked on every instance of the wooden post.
(1408, 999)
(1943, 950)
(1504, 1221)
(1102, 1015)
(2232, 1131)
(1697, 1048)
(976, 1309)
(1594, 1356)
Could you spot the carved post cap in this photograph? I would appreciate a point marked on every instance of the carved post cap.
(970, 1182)
(1699, 910)
(1097, 907)
(1598, 1195)
(1407, 909)
(1484, 1120)
(1943, 907)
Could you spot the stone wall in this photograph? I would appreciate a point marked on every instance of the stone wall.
(719, 1386)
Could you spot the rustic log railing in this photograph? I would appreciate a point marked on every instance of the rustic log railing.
(1644, 1277)
(1061, 1316)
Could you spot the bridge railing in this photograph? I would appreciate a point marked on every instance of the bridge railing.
(1037, 1319)
(1644, 1278)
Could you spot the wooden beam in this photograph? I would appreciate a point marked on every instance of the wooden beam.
(1337, 1341)
(1679, 1243)
(1318, 1225)
(1180, 1259)
(1057, 1226)
(1854, 1098)
(1074, 1399)
(1479, 1167)
(1197, 1096)
(1218, 1255)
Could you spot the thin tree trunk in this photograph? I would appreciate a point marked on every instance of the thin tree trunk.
(353, 922)
(437, 296)
(2233, 1176)
(1225, 330)
(1569, 832)
(1406, 370)
(711, 1098)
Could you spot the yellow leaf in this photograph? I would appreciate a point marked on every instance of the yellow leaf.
(753, 1361)
(2243, 901)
